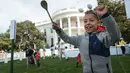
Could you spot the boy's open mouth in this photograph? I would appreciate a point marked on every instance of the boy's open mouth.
(89, 27)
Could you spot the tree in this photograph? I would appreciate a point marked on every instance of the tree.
(117, 9)
(5, 41)
(26, 34)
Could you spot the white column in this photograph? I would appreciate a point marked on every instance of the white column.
(55, 37)
(61, 23)
(78, 23)
(69, 25)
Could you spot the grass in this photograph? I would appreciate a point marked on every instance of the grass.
(49, 65)
(121, 64)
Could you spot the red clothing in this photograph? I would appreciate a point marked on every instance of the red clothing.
(78, 58)
(101, 28)
(37, 55)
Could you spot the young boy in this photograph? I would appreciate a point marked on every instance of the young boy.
(94, 45)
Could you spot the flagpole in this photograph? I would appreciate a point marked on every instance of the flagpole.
(12, 55)
(12, 38)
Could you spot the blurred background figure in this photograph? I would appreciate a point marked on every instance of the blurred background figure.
(44, 50)
(52, 49)
(122, 43)
(1, 51)
(78, 59)
(38, 57)
(63, 52)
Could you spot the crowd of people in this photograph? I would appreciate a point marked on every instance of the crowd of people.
(61, 51)
(32, 56)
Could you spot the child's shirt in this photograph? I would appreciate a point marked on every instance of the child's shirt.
(38, 55)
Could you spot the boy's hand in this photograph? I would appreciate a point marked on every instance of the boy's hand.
(55, 26)
(101, 10)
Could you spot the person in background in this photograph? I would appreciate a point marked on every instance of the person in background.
(94, 44)
(27, 54)
(44, 52)
(1, 51)
(59, 50)
(38, 57)
(63, 52)
(122, 44)
(52, 49)
(30, 58)
(78, 60)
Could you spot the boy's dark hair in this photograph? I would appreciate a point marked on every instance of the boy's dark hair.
(92, 12)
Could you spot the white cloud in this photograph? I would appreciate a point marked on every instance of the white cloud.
(31, 9)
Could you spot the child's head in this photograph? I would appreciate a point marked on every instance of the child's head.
(91, 21)
(37, 49)
(121, 39)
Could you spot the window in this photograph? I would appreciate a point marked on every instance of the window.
(51, 30)
(58, 39)
(52, 41)
(45, 32)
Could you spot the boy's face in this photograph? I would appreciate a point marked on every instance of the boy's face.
(90, 23)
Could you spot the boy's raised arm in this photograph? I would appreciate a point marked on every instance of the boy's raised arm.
(109, 22)
(71, 40)
(112, 27)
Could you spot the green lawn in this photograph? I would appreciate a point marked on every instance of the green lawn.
(62, 66)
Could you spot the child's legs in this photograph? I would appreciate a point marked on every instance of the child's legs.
(77, 63)
(26, 60)
(60, 54)
(43, 55)
(34, 59)
(123, 49)
(38, 63)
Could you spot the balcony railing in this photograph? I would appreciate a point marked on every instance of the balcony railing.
(74, 25)
(65, 26)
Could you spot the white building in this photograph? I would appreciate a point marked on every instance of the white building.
(69, 19)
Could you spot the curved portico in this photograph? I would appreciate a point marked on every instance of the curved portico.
(69, 19)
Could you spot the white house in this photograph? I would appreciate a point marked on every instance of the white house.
(69, 19)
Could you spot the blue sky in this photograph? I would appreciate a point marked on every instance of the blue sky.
(21, 10)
